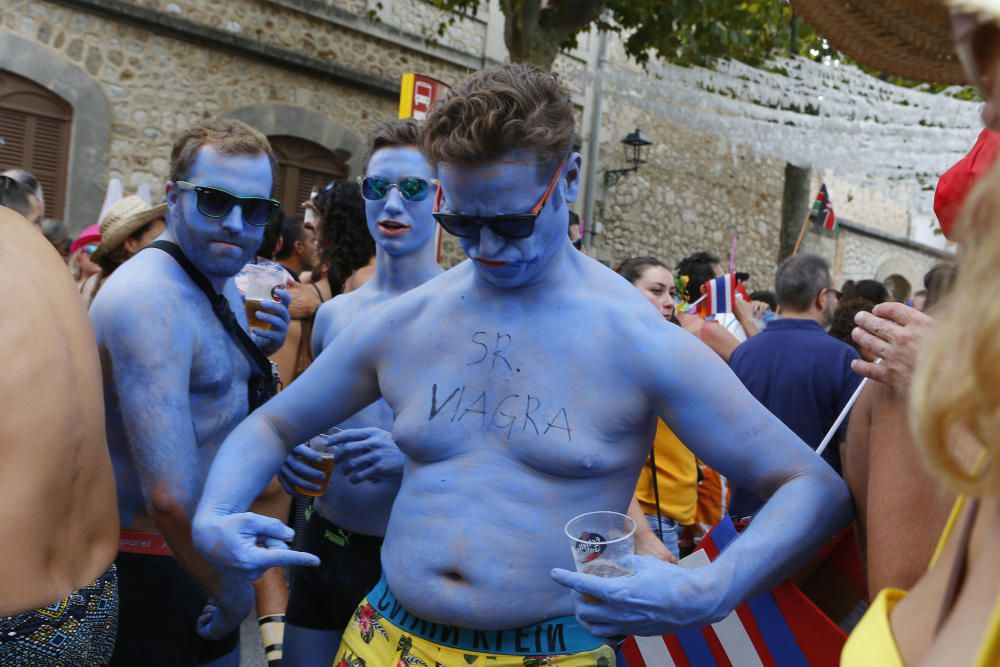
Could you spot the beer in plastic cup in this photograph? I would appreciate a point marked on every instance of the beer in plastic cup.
(325, 464)
(262, 285)
(603, 544)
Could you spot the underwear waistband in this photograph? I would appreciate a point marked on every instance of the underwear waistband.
(341, 536)
(142, 542)
(554, 636)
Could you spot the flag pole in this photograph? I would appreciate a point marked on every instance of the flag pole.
(843, 414)
(802, 232)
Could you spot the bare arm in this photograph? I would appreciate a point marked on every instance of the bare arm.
(154, 396)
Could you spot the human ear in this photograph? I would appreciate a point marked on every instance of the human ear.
(131, 245)
(571, 174)
(171, 196)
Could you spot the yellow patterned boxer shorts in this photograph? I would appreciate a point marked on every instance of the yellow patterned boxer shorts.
(383, 634)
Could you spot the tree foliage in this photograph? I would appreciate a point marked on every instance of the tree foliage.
(686, 32)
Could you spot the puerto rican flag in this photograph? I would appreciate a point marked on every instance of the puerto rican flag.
(720, 294)
(782, 628)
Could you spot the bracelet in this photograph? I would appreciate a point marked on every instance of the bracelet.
(318, 293)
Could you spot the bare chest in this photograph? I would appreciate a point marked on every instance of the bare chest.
(516, 392)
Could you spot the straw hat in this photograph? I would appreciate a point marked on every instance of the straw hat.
(908, 38)
(124, 218)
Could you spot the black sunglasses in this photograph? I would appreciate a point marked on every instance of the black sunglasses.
(217, 203)
(511, 226)
(411, 188)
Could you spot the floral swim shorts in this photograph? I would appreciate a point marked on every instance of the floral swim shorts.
(383, 634)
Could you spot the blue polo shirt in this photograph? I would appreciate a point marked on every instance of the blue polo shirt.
(803, 376)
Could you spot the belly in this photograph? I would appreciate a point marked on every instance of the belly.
(360, 508)
(472, 546)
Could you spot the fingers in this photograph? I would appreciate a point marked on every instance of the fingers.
(304, 452)
(872, 344)
(285, 557)
(899, 313)
(877, 372)
(887, 330)
(264, 527)
(303, 470)
(581, 583)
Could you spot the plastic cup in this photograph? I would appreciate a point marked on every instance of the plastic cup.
(325, 463)
(603, 544)
(262, 285)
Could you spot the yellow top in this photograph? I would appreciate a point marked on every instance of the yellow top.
(872, 643)
(677, 474)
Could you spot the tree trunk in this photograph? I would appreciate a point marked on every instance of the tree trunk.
(535, 30)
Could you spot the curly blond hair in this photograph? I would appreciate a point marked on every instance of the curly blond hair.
(956, 385)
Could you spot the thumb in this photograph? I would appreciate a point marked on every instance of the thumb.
(268, 527)
(582, 583)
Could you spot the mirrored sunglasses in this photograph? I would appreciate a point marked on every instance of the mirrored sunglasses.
(411, 188)
(217, 203)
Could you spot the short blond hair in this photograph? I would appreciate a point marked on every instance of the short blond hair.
(956, 384)
(226, 135)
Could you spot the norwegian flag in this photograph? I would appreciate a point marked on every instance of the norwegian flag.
(720, 295)
(782, 628)
(822, 210)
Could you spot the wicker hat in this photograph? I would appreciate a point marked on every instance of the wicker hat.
(908, 38)
(124, 218)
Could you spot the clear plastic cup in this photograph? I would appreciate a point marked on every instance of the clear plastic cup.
(603, 544)
(262, 285)
(325, 464)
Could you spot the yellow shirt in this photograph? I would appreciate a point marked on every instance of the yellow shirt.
(872, 643)
(677, 474)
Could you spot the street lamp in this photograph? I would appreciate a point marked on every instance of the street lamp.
(636, 152)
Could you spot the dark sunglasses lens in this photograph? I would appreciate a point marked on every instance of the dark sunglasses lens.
(518, 227)
(374, 188)
(414, 189)
(458, 225)
(257, 212)
(214, 203)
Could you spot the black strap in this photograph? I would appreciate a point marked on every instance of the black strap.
(656, 488)
(220, 306)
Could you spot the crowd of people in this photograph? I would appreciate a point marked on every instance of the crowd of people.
(162, 439)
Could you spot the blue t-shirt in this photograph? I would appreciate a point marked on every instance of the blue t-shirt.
(804, 377)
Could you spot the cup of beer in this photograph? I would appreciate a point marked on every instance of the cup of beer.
(323, 463)
(262, 285)
(603, 544)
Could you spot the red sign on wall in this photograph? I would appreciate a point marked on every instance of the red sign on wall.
(417, 94)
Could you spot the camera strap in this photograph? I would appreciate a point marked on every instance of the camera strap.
(220, 306)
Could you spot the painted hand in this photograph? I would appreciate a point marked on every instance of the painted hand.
(658, 599)
(218, 620)
(296, 472)
(276, 314)
(893, 332)
(247, 543)
(305, 300)
(367, 454)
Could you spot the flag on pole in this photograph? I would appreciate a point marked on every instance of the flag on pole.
(720, 295)
(782, 628)
(822, 210)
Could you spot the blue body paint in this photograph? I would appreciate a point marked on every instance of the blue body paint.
(405, 258)
(175, 383)
(525, 386)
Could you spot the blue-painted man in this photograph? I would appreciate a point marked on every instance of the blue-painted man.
(346, 525)
(505, 441)
(176, 383)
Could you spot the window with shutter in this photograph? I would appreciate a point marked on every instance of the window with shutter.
(35, 126)
(302, 165)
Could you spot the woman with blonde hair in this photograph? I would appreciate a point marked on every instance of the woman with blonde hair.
(952, 614)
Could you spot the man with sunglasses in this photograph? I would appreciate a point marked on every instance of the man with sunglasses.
(345, 525)
(176, 383)
(505, 442)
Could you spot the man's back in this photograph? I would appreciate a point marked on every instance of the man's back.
(803, 376)
(58, 515)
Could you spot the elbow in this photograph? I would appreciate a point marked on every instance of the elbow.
(165, 508)
(838, 498)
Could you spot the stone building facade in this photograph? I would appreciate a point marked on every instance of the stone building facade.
(322, 73)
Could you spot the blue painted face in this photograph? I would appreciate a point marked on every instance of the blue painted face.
(219, 247)
(400, 227)
(512, 184)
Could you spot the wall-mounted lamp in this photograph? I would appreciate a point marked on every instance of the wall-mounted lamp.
(636, 152)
